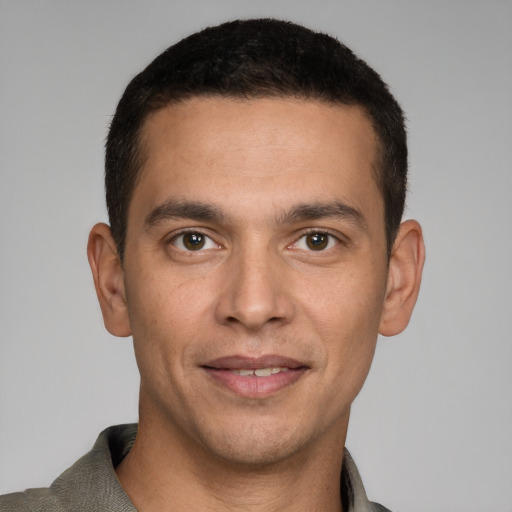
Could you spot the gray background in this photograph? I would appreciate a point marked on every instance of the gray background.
(432, 429)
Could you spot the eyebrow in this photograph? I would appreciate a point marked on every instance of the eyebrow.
(320, 210)
(175, 209)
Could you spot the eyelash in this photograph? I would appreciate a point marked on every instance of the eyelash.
(211, 244)
(332, 241)
(206, 240)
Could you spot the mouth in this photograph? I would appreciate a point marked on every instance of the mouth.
(255, 377)
(260, 372)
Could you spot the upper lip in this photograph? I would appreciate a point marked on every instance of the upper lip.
(237, 362)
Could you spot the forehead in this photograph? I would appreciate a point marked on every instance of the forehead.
(278, 148)
(217, 121)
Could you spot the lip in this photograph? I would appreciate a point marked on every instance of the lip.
(220, 371)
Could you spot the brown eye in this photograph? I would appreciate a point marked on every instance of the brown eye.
(193, 241)
(317, 241)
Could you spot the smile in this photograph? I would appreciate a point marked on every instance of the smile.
(260, 372)
(255, 377)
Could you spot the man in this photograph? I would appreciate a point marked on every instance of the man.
(255, 182)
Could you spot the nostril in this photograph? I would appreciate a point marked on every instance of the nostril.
(252, 300)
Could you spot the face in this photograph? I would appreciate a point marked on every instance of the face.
(255, 273)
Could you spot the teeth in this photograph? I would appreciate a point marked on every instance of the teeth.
(244, 372)
(261, 372)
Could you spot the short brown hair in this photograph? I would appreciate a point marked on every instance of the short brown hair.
(255, 58)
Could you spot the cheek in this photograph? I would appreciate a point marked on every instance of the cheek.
(164, 316)
(345, 301)
(349, 350)
(159, 299)
(346, 316)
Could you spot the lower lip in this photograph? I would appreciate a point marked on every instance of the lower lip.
(251, 386)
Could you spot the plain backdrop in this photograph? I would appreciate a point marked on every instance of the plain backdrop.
(432, 429)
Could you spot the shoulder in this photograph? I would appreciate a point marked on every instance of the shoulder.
(379, 508)
(32, 500)
(89, 485)
(353, 494)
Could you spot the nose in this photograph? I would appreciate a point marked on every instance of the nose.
(255, 292)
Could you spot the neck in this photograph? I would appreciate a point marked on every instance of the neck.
(165, 470)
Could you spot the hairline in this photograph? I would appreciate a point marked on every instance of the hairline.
(139, 155)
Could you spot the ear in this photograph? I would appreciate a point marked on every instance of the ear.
(404, 278)
(108, 276)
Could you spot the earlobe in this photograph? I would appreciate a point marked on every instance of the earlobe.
(108, 278)
(404, 278)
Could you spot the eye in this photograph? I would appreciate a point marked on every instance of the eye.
(193, 241)
(316, 241)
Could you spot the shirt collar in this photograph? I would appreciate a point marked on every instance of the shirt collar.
(114, 443)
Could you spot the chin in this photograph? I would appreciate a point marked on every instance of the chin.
(255, 446)
(255, 455)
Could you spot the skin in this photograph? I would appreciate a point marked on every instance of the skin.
(274, 176)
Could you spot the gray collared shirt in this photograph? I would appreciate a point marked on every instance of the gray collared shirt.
(91, 484)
